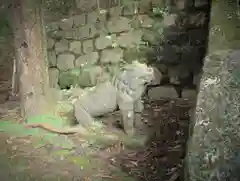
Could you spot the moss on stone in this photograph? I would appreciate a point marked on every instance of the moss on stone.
(217, 125)
(68, 78)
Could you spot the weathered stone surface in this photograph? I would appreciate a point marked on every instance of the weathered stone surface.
(145, 21)
(131, 54)
(66, 109)
(149, 36)
(87, 31)
(214, 140)
(52, 59)
(180, 4)
(159, 4)
(52, 27)
(157, 77)
(65, 61)
(191, 57)
(84, 79)
(178, 73)
(53, 77)
(97, 102)
(81, 33)
(59, 95)
(197, 79)
(112, 55)
(82, 116)
(136, 23)
(170, 20)
(176, 38)
(197, 20)
(86, 5)
(61, 46)
(79, 20)
(101, 29)
(117, 25)
(66, 23)
(68, 78)
(126, 107)
(75, 92)
(171, 48)
(224, 33)
(91, 75)
(88, 59)
(130, 8)
(95, 17)
(143, 6)
(131, 85)
(160, 92)
(190, 94)
(132, 79)
(168, 54)
(213, 148)
(58, 34)
(182, 19)
(50, 43)
(103, 42)
(87, 46)
(113, 69)
(130, 39)
(199, 3)
(115, 11)
(162, 68)
(75, 47)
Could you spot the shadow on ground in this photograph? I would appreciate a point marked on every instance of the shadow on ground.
(162, 156)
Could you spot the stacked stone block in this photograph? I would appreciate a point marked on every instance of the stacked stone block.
(85, 46)
(179, 53)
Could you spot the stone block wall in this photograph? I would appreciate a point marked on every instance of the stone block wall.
(180, 51)
(85, 46)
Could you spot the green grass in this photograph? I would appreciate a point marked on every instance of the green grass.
(18, 130)
(87, 164)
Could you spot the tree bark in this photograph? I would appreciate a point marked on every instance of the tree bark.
(17, 28)
(31, 57)
(213, 148)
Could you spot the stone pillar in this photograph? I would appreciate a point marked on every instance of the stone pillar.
(224, 29)
(213, 148)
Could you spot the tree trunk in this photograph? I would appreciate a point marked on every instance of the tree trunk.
(213, 148)
(17, 28)
(31, 56)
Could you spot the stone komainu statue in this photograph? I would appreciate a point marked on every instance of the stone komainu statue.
(214, 143)
(124, 91)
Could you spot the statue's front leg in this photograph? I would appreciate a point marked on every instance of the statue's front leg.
(138, 106)
(128, 121)
(126, 106)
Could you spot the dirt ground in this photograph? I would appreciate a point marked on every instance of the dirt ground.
(160, 158)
